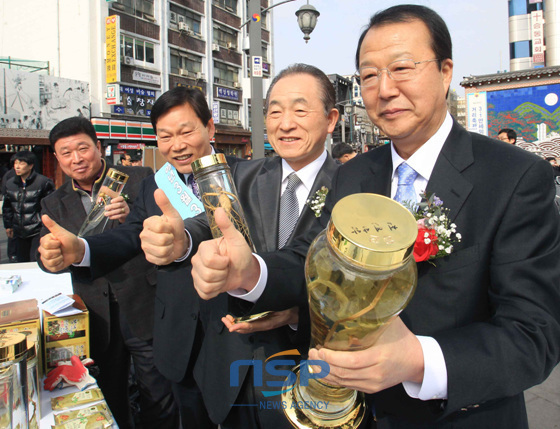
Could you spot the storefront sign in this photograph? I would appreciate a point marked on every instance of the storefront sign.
(477, 113)
(228, 94)
(216, 112)
(537, 33)
(266, 67)
(154, 79)
(257, 67)
(113, 54)
(131, 146)
(113, 93)
(137, 101)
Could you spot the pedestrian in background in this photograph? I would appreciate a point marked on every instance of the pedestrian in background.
(21, 209)
(507, 135)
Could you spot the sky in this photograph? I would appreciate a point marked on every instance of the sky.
(479, 31)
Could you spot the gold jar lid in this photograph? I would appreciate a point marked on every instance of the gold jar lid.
(208, 161)
(117, 175)
(13, 346)
(372, 231)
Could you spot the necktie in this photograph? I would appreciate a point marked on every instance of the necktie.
(405, 188)
(192, 183)
(289, 210)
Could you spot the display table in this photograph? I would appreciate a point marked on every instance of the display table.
(36, 284)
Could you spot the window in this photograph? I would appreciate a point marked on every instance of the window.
(230, 5)
(141, 8)
(181, 60)
(224, 74)
(264, 52)
(179, 14)
(225, 37)
(229, 113)
(141, 51)
(520, 49)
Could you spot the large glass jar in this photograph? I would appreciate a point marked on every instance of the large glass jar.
(360, 275)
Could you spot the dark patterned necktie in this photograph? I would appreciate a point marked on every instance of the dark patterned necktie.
(289, 210)
(192, 183)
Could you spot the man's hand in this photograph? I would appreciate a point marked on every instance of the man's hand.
(60, 248)
(10, 232)
(117, 210)
(164, 238)
(274, 320)
(225, 263)
(395, 357)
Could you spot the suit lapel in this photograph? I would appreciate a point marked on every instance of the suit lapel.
(381, 168)
(72, 205)
(268, 196)
(324, 178)
(447, 181)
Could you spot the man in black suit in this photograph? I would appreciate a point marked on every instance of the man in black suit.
(300, 113)
(184, 126)
(121, 303)
(484, 323)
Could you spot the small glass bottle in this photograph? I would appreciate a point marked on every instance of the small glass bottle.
(112, 186)
(13, 381)
(216, 188)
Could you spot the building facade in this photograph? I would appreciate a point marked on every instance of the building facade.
(534, 26)
(130, 51)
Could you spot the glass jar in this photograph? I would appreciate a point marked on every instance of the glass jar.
(360, 275)
(33, 387)
(216, 188)
(13, 366)
(112, 186)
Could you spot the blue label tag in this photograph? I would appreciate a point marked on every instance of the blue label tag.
(179, 194)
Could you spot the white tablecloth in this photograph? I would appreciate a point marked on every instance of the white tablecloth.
(39, 285)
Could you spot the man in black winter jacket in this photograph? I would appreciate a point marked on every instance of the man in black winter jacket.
(21, 209)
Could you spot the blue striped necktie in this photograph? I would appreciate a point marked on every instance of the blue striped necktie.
(405, 188)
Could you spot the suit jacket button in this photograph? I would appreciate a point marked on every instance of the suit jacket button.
(105, 294)
(194, 316)
(251, 339)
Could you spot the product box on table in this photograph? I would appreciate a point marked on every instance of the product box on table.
(65, 336)
(23, 317)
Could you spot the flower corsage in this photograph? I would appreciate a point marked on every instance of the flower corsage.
(317, 202)
(436, 234)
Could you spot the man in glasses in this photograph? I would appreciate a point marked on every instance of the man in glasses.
(507, 135)
(484, 323)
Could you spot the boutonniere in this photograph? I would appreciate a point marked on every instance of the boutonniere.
(317, 202)
(436, 234)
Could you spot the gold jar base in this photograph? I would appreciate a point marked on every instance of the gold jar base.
(347, 416)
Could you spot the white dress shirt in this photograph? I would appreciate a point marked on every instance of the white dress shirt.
(307, 176)
(434, 384)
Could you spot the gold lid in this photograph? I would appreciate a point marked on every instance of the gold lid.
(117, 175)
(13, 346)
(31, 350)
(208, 161)
(372, 231)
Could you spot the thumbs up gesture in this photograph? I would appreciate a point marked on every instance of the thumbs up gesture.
(60, 248)
(164, 238)
(224, 264)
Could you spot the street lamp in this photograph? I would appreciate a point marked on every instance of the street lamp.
(307, 19)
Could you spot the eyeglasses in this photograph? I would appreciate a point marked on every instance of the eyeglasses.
(398, 70)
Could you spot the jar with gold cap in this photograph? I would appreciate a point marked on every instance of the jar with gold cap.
(112, 187)
(360, 275)
(216, 188)
(13, 381)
